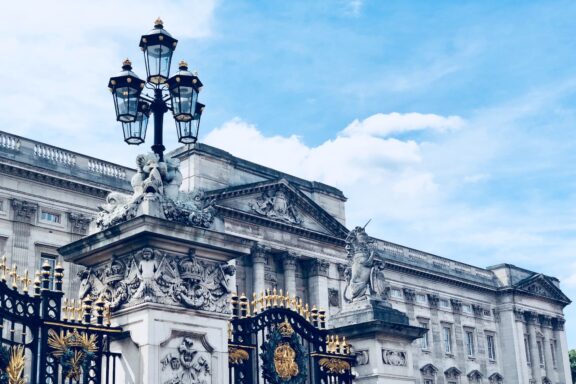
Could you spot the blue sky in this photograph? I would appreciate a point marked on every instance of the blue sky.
(450, 123)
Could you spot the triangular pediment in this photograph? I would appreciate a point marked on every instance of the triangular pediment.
(541, 285)
(277, 202)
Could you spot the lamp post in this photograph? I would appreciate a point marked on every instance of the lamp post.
(133, 106)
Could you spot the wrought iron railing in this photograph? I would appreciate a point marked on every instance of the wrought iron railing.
(44, 342)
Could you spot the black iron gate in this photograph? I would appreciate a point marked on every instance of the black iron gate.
(45, 342)
(283, 341)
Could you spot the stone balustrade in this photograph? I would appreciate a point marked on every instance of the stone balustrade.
(9, 142)
(26, 151)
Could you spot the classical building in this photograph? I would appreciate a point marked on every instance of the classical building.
(410, 316)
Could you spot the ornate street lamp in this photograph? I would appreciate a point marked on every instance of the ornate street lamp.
(133, 107)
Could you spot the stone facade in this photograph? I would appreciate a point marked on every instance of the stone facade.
(503, 324)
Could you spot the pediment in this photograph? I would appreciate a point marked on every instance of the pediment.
(277, 202)
(540, 285)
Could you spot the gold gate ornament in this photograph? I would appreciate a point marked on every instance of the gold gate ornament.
(285, 361)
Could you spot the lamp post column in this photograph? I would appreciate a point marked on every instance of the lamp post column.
(158, 108)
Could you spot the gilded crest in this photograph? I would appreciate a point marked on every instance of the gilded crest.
(285, 361)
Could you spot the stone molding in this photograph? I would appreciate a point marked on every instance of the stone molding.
(24, 211)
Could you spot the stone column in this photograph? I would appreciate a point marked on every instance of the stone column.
(531, 318)
(259, 258)
(562, 349)
(24, 213)
(546, 324)
(289, 264)
(318, 283)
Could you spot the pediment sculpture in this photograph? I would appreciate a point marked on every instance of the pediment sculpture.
(158, 183)
(277, 205)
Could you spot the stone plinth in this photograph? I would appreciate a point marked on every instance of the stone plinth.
(167, 286)
(381, 338)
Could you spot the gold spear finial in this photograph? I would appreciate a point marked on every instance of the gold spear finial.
(14, 275)
(26, 281)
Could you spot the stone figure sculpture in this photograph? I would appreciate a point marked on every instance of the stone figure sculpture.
(364, 273)
(158, 184)
(276, 205)
(151, 275)
(190, 366)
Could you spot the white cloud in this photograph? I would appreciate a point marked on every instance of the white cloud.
(388, 124)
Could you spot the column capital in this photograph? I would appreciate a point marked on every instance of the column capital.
(24, 210)
(456, 305)
(260, 254)
(519, 314)
(289, 261)
(79, 222)
(319, 268)
(478, 310)
(409, 294)
(530, 317)
(558, 323)
(433, 299)
(545, 321)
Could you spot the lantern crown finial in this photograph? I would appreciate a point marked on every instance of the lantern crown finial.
(158, 23)
(127, 64)
(183, 65)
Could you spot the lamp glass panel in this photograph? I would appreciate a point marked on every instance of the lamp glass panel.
(126, 103)
(159, 57)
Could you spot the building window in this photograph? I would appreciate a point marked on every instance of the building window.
(52, 263)
(553, 352)
(424, 340)
(421, 298)
(466, 308)
(428, 381)
(50, 217)
(527, 350)
(444, 303)
(396, 293)
(447, 338)
(491, 347)
(470, 347)
(540, 353)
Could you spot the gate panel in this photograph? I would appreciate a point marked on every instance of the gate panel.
(283, 341)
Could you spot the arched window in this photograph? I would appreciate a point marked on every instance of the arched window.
(475, 377)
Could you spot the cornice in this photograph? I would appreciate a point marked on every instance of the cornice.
(44, 178)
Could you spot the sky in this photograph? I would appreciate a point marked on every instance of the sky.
(450, 124)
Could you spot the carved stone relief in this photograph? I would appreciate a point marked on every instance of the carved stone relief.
(318, 268)
(333, 297)
(276, 204)
(158, 183)
(362, 357)
(187, 363)
(152, 275)
(395, 358)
